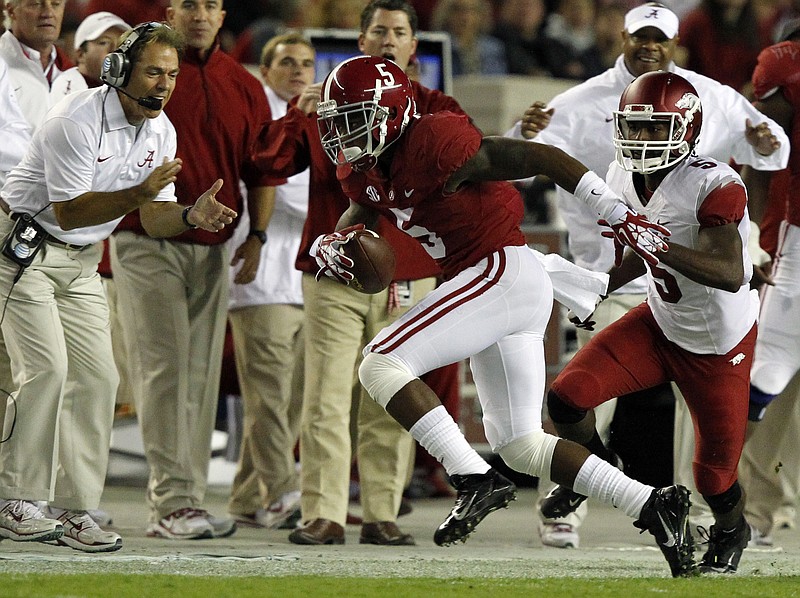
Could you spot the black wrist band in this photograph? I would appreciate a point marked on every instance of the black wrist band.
(258, 234)
(185, 217)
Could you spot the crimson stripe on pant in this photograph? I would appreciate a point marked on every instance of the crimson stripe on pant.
(474, 288)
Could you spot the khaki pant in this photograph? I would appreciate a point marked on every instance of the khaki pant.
(268, 343)
(173, 305)
(769, 469)
(339, 322)
(56, 329)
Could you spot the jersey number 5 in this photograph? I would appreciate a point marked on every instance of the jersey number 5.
(666, 284)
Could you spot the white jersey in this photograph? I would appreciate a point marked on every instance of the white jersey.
(582, 125)
(277, 281)
(87, 144)
(696, 317)
(30, 81)
(14, 128)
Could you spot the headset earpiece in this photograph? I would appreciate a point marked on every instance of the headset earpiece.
(116, 70)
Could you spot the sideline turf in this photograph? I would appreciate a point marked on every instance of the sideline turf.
(168, 586)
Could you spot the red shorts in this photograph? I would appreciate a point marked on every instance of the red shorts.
(633, 354)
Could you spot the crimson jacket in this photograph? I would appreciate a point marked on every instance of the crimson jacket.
(291, 144)
(218, 109)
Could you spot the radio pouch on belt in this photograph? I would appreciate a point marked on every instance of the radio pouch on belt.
(25, 240)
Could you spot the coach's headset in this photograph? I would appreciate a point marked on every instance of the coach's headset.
(117, 68)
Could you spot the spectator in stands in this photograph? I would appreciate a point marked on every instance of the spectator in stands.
(519, 27)
(131, 11)
(722, 39)
(475, 51)
(570, 45)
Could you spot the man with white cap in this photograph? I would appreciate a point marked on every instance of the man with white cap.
(580, 122)
(95, 37)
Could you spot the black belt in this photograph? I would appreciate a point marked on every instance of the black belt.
(50, 238)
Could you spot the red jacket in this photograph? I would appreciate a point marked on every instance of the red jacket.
(218, 109)
(289, 145)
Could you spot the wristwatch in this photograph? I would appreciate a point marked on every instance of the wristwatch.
(258, 234)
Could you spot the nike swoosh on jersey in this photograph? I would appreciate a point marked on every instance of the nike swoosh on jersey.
(608, 120)
(409, 193)
(670, 538)
(575, 501)
(104, 159)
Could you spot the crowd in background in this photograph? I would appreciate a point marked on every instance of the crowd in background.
(572, 39)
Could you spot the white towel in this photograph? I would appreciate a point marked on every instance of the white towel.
(574, 287)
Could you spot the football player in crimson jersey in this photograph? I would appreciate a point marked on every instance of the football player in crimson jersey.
(777, 89)
(438, 179)
(698, 326)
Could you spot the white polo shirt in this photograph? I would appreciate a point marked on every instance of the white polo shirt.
(15, 131)
(86, 144)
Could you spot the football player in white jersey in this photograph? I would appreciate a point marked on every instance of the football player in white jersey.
(698, 325)
(580, 121)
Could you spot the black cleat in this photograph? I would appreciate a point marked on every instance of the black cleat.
(560, 502)
(725, 548)
(666, 516)
(478, 495)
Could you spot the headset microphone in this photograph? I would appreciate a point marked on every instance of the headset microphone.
(145, 102)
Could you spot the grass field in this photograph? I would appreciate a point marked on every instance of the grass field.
(166, 586)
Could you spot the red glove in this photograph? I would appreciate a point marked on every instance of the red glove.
(637, 232)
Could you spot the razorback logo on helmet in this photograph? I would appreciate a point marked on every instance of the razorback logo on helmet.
(690, 103)
(656, 97)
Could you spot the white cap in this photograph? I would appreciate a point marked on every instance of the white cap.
(96, 25)
(649, 15)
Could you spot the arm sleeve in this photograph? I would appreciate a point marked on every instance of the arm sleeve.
(70, 171)
(723, 205)
(14, 129)
(282, 148)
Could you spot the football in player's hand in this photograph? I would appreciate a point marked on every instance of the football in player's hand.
(373, 262)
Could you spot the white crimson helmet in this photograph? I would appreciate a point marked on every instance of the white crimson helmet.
(657, 96)
(367, 101)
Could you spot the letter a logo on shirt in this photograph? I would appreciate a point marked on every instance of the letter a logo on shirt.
(148, 160)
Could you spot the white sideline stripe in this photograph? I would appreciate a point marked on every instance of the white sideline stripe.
(132, 558)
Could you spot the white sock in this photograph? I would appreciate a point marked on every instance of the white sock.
(599, 479)
(438, 434)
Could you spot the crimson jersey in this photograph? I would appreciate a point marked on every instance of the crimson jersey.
(779, 69)
(291, 144)
(458, 229)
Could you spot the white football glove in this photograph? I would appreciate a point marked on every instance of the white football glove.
(331, 260)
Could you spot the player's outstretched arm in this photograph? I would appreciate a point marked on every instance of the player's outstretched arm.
(501, 158)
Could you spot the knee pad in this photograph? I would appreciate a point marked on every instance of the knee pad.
(560, 412)
(531, 454)
(382, 376)
(758, 404)
(726, 501)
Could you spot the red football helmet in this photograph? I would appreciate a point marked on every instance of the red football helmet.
(657, 96)
(367, 101)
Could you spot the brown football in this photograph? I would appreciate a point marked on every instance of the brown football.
(373, 262)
